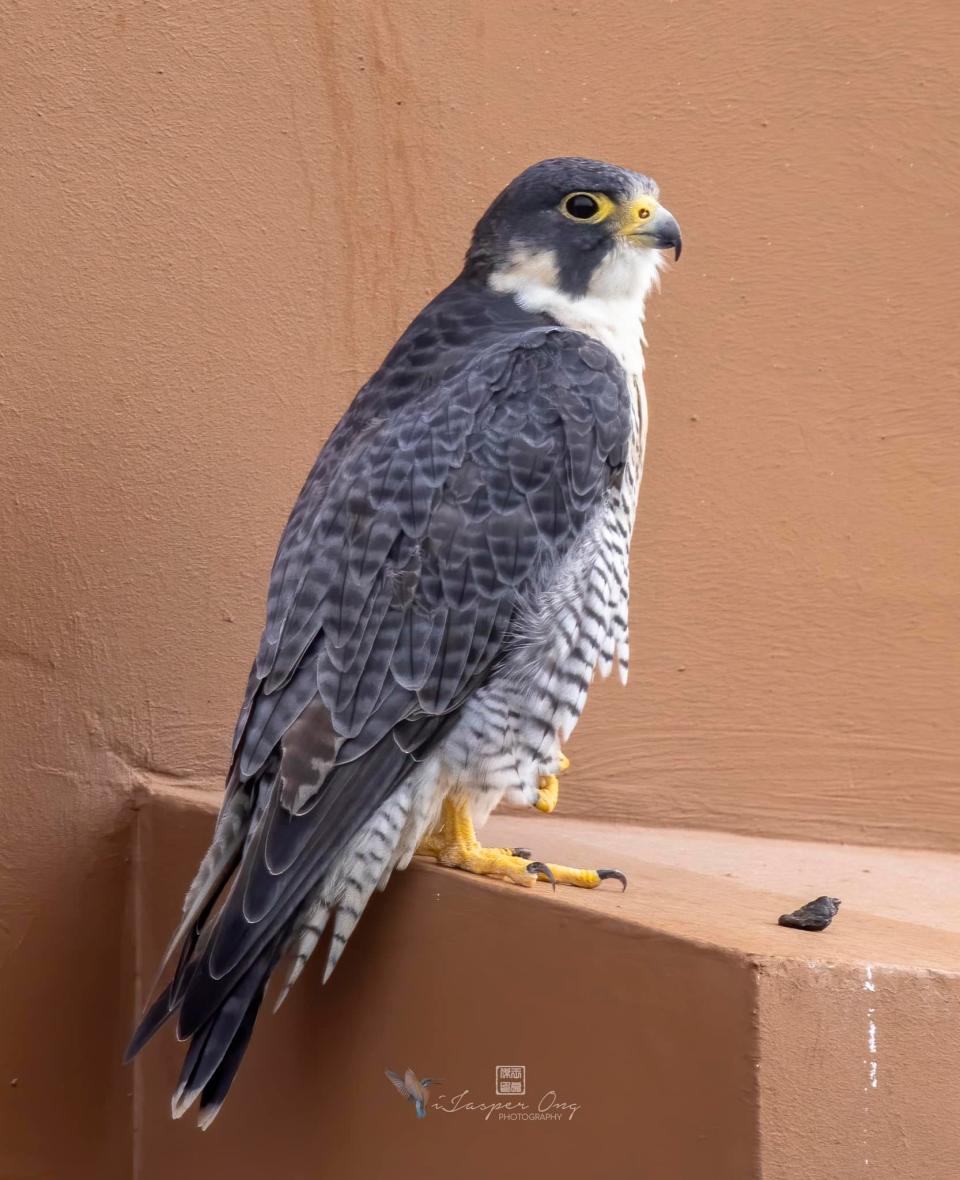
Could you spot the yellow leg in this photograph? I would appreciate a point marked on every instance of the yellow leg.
(436, 845)
(454, 843)
(550, 787)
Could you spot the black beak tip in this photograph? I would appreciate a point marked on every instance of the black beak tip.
(677, 247)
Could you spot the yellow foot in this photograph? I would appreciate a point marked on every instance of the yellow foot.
(436, 845)
(454, 843)
(430, 846)
(550, 788)
(583, 878)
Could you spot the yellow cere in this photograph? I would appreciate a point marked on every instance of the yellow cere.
(638, 214)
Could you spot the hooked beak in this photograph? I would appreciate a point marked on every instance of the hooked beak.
(649, 224)
(662, 232)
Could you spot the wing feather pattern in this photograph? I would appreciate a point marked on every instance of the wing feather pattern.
(436, 507)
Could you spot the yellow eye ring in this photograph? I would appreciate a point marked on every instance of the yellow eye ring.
(586, 208)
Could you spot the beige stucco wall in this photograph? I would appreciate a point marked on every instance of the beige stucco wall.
(215, 219)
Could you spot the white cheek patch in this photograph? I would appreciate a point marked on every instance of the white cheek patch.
(527, 268)
(611, 311)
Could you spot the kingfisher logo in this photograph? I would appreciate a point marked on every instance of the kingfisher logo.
(414, 1089)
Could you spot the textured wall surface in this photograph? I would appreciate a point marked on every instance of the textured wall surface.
(216, 217)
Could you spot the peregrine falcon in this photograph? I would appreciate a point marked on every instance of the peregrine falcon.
(453, 572)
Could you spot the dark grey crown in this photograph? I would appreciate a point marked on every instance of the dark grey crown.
(526, 214)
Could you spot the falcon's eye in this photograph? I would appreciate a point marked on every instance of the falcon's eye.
(581, 206)
(586, 207)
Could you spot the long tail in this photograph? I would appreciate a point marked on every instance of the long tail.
(281, 875)
(216, 1051)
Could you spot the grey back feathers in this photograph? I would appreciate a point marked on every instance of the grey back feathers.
(448, 494)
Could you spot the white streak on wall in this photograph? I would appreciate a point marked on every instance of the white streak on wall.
(871, 1060)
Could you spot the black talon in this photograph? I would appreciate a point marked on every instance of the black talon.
(612, 874)
(523, 853)
(538, 867)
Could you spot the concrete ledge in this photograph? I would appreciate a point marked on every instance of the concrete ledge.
(699, 1040)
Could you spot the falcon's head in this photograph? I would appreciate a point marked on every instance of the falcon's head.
(579, 227)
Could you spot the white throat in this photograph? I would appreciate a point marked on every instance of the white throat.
(611, 310)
